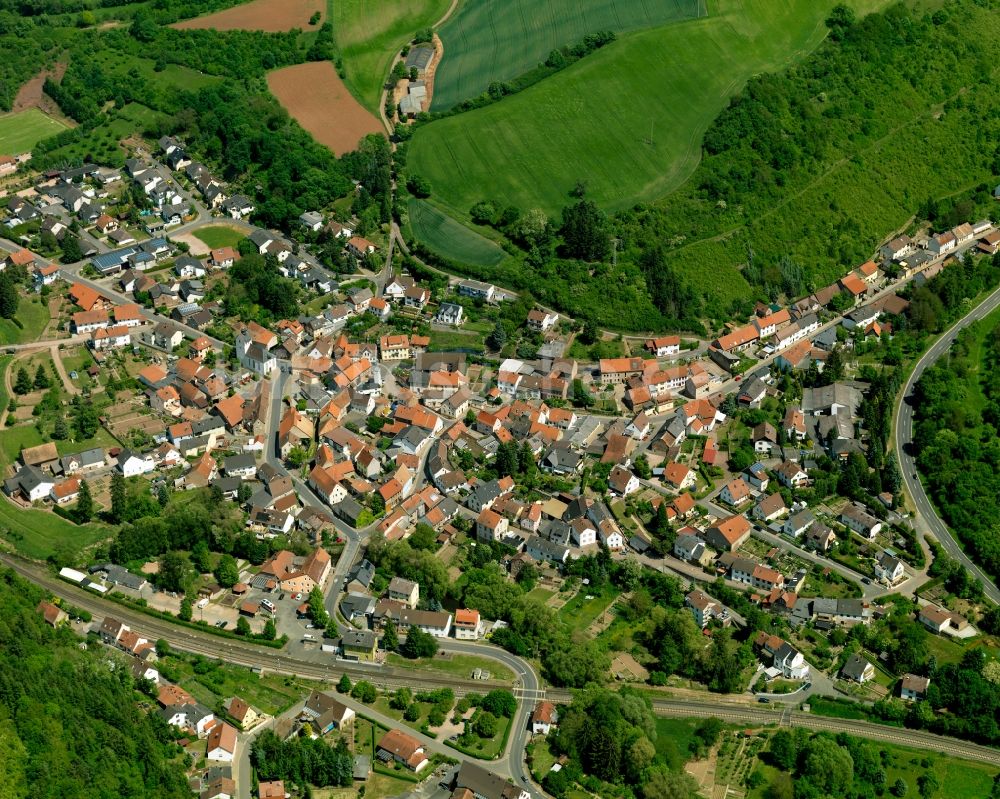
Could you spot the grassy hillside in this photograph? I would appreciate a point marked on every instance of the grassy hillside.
(807, 169)
(592, 122)
(22, 131)
(489, 40)
(449, 238)
(370, 32)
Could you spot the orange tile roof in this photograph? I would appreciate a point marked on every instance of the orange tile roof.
(854, 284)
(84, 296)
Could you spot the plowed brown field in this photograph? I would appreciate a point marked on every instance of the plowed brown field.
(319, 101)
(270, 16)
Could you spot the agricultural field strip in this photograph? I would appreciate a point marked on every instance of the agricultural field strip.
(488, 41)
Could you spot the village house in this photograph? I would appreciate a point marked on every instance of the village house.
(729, 534)
(468, 625)
(543, 718)
(702, 606)
(405, 591)
(913, 687)
(857, 669)
(397, 746)
(858, 519)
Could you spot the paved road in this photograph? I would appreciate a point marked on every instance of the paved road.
(927, 517)
(736, 709)
(527, 679)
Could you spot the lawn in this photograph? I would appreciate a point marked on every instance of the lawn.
(458, 665)
(33, 314)
(14, 439)
(957, 778)
(216, 236)
(628, 120)
(580, 612)
(451, 340)
(21, 131)
(488, 41)
(371, 32)
(541, 594)
(213, 682)
(449, 238)
(39, 534)
(673, 741)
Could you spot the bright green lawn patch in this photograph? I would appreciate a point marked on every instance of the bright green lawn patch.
(21, 131)
(459, 665)
(371, 32)
(217, 236)
(956, 777)
(449, 238)
(487, 40)
(33, 314)
(14, 439)
(823, 706)
(673, 741)
(39, 534)
(541, 594)
(593, 121)
(451, 340)
(580, 612)
(213, 682)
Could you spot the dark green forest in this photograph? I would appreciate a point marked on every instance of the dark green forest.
(70, 726)
(957, 416)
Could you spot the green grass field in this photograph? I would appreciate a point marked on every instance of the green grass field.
(371, 32)
(955, 777)
(459, 665)
(449, 238)
(486, 40)
(217, 236)
(33, 314)
(593, 121)
(21, 131)
(38, 533)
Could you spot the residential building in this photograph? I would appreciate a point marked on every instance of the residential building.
(326, 712)
(858, 519)
(543, 718)
(857, 669)
(728, 534)
(702, 606)
(222, 742)
(472, 781)
(664, 346)
(360, 645)
(912, 686)
(468, 625)
(405, 591)
(889, 568)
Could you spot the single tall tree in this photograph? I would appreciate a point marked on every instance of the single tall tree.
(22, 384)
(390, 639)
(586, 232)
(84, 504)
(8, 296)
(119, 497)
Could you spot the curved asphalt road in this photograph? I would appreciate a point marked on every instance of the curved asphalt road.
(736, 710)
(929, 521)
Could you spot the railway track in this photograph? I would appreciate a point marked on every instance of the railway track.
(265, 659)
